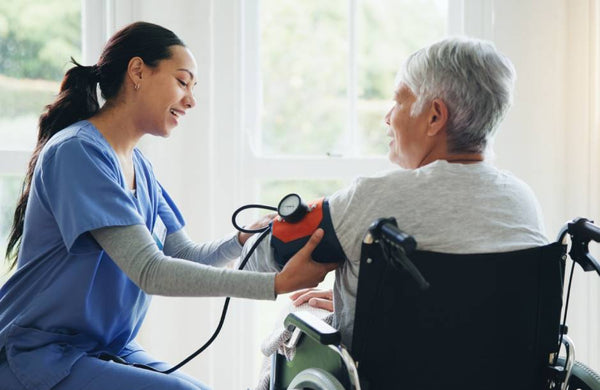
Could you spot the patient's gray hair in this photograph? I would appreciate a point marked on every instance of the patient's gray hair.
(474, 80)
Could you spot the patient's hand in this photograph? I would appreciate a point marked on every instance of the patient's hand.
(301, 271)
(322, 299)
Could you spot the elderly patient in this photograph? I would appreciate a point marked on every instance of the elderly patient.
(448, 102)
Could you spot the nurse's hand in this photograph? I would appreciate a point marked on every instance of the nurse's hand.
(260, 223)
(301, 271)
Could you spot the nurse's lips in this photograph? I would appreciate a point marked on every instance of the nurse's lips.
(177, 113)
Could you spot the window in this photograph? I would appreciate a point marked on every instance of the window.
(36, 39)
(318, 79)
(324, 74)
(328, 71)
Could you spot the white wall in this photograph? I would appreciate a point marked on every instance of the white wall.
(549, 139)
(582, 142)
(531, 140)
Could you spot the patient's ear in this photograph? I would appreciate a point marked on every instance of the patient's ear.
(438, 117)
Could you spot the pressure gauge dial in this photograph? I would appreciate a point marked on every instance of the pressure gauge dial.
(291, 208)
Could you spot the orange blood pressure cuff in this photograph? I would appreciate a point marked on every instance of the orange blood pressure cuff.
(288, 238)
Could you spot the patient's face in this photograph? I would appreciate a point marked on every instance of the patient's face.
(408, 145)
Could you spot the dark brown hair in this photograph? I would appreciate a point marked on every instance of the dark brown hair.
(78, 99)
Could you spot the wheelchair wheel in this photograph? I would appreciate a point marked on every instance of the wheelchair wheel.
(583, 378)
(315, 379)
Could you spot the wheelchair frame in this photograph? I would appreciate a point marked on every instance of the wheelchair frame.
(562, 372)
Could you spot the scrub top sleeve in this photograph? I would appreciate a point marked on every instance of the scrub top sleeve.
(168, 212)
(85, 191)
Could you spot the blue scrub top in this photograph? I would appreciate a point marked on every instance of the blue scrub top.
(68, 298)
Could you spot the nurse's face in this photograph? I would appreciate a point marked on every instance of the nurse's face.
(167, 92)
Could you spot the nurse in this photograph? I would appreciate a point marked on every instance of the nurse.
(95, 234)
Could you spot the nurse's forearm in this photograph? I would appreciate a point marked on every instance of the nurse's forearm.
(215, 253)
(135, 252)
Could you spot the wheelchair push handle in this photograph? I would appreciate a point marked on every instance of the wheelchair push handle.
(387, 229)
(582, 231)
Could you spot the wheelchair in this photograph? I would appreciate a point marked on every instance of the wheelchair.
(427, 320)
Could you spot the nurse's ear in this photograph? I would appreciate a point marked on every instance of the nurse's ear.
(135, 70)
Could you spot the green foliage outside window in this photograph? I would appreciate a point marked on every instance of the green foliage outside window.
(303, 64)
(304, 58)
(37, 37)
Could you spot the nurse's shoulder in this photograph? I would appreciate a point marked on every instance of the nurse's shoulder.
(80, 140)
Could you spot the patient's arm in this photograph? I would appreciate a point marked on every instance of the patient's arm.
(262, 222)
(263, 258)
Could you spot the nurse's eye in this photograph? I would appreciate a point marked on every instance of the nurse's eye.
(182, 83)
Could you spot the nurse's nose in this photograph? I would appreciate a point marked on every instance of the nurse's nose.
(190, 100)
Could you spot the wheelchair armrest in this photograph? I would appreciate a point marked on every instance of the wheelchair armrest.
(314, 328)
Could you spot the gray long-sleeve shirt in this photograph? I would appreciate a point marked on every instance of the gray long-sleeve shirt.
(184, 268)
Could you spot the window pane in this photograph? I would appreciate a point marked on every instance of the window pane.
(387, 32)
(305, 63)
(37, 37)
(10, 187)
(303, 57)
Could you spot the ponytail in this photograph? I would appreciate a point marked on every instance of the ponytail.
(77, 100)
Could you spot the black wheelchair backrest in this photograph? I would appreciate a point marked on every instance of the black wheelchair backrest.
(486, 321)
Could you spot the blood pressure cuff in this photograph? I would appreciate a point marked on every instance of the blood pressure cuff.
(288, 238)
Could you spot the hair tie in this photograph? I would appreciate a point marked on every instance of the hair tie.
(95, 72)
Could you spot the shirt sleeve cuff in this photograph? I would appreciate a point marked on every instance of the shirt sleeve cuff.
(236, 240)
(271, 284)
(231, 247)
